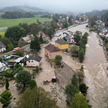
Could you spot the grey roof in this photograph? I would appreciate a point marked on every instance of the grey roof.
(61, 41)
(33, 57)
(2, 45)
(66, 38)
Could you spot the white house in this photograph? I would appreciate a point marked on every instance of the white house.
(2, 47)
(32, 61)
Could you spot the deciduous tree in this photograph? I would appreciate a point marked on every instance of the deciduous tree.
(81, 55)
(23, 80)
(32, 84)
(79, 101)
(5, 98)
(58, 59)
(36, 98)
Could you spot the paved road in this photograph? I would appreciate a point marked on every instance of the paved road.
(11, 52)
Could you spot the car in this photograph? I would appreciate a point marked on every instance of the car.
(5, 63)
(16, 49)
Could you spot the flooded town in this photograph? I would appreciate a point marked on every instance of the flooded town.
(53, 58)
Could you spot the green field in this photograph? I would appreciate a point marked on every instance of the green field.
(12, 22)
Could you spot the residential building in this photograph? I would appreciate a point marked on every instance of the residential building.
(61, 44)
(69, 39)
(2, 47)
(51, 51)
(27, 39)
(32, 61)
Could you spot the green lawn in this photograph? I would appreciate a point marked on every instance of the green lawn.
(12, 22)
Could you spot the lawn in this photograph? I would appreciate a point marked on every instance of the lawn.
(12, 22)
(2, 32)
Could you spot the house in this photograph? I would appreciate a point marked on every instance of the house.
(51, 51)
(69, 39)
(27, 39)
(77, 22)
(2, 47)
(2, 67)
(29, 61)
(47, 25)
(62, 44)
(44, 37)
(32, 61)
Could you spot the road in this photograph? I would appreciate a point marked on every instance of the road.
(11, 52)
(95, 67)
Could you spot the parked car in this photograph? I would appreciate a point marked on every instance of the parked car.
(5, 63)
(16, 49)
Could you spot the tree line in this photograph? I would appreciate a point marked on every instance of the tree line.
(16, 14)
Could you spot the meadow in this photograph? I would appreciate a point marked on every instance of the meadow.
(13, 22)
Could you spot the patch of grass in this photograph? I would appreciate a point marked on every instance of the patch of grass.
(13, 22)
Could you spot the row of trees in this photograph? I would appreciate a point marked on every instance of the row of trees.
(74, 98)
(82, 41)
(16, 14)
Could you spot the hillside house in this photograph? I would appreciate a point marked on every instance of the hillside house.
(61, 44)
(51, 51)
(2, 47)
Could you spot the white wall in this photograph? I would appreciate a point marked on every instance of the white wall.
(32, 63)
(2, 49)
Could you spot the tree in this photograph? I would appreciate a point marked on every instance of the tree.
(5, 98)
(74, 49)
(25, 26)
(83, 88)
(37, 69)
(70, 21)
(81, 55)
(77, 18)
(45, 30)
(82, 18)
(34, 29)
(91, 22)
(79, 101)
(41, 39)
(50, 32)
(80, 75)
(15, 33)
(70, 90)
(20, 53)
(77, 36)
(36, 98)
(32, 84)
(74, 81)
(35, 44)
(23, 80)
(58, 59)
(7, 84)
(65, 24)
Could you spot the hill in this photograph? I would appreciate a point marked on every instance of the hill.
(21, 9)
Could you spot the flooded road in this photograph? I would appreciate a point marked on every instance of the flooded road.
(95, 68)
